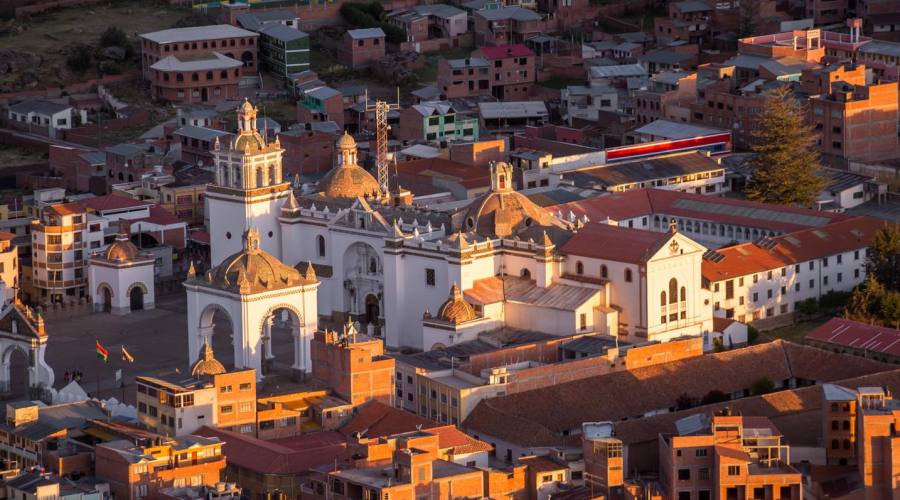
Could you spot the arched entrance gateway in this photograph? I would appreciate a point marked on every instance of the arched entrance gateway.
(23, 342)
(363, 285)
(262, 298)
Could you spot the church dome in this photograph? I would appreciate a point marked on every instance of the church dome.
(253, 270)
(249, 141)
(207, 365)
(349, 181)
(346, 141)
(121, 251)
(456, 310)
(502, 212)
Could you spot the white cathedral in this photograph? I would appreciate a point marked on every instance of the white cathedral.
(423, 278)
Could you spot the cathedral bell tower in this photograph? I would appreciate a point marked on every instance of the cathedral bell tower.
(249, 188)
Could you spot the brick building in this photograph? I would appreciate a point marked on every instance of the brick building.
(321, 104)
(354, 367)
(407, 466)
(361, 47)
(688, 20)
(186, 43)
(506, 25)
(511, 70)
(727, 457)
(856, 122)
(307, 151)
(135, 471)
(195, 78)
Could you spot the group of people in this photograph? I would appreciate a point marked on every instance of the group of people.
(73, 375)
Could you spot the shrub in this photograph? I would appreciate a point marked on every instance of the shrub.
(714, 396)
(79, 58)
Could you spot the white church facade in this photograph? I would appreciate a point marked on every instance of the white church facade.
(503, 260)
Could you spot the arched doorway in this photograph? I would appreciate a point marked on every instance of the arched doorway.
(105, 293)
(247, 59)
(217, 325)
(15, 363)
(137, 299)
(282, 347)
(363, 282)
(372, 310)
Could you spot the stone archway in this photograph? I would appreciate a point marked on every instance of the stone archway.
(15, 372)
(217, 326)
(363, 278)
(105, 293)
(288, 319)
(136, 295)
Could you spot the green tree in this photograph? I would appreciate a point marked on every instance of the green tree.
(714, 396)
(883, 259)
(762, 385)
(865, 301)
(808, 307)
(748, 17)
(786, 163)
(890, 309)
(685, 401)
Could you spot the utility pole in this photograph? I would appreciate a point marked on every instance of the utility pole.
(381, 109)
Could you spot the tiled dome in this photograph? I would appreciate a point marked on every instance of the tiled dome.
(456, 310)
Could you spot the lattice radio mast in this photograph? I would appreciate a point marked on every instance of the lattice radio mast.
(381, 109)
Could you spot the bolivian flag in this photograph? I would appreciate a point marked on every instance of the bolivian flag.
(102, 353)
(126, 356)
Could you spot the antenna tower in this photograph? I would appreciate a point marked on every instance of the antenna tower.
(381, 109)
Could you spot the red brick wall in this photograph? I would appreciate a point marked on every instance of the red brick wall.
(310, 153)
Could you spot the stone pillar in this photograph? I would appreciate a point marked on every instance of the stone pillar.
(299, 367)
(267, 339)
(4, 378)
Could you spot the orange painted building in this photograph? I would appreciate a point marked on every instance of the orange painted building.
(406, 467)
(135, 472)
(727, 457)
(353, 366)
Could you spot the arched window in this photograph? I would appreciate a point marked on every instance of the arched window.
(260, 177)
(195, 77)
(209, 75)
(662, 307)
(502, 182)
(526, 273)
(223, 74)
(683, 294)
(579, 268)
(628, 275)
(320, 245)
(603, 271)
(662, 298)
(179, 77)
(673, 291)
(373, 265)
(272, 174)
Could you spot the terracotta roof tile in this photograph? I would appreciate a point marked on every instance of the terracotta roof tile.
(113, 202)
(541, 417)
(460, 443)
(793, 248)
(640, 202)
(379, 420)
(266, 457)
(604, 241)
(66, 209)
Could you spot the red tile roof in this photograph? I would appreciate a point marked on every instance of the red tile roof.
(6, 235)
(161, 216)
(113, 202)
(66, 209)
(650, 201)
(604, 241)
(503, 51)
(847, 333)
(540, 417)
(298, 456)
(379, 420)
(457, 441)
(789, 249)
